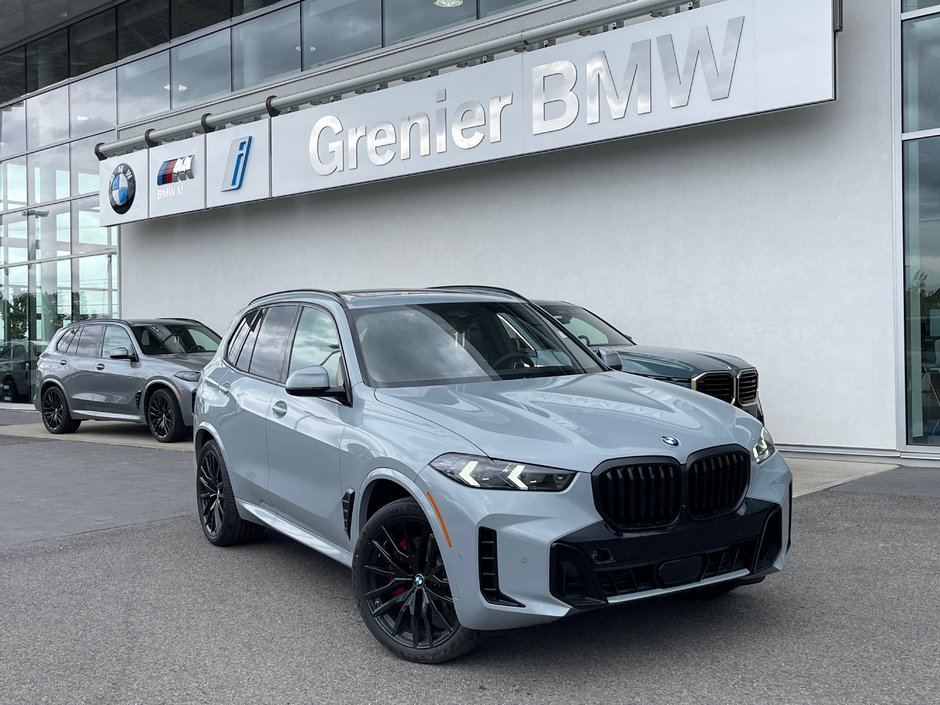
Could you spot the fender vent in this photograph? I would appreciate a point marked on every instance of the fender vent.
(489, 572)
(349, 497)
(137, 399)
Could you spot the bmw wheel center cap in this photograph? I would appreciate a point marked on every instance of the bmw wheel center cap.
(670, 440)
(123, 188)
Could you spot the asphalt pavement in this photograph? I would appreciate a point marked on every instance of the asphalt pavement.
(110, 594)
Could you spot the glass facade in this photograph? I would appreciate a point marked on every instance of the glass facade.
(920, 85)
(63, 93)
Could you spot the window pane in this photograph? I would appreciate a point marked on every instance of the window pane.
(90, 341)
(908, 5)
(48, 173)
(265, 49)
(336, 29)
(85, 164)
(191, 15)
(317, 343)
(52, 234)
(96, 293)
(12, 129)
(142, 24)
(47, 60)
(144, 88)
(491, 7)
(93, 103)
(271, 348)
(92, 43)
(201, 69)
(48, 118)
(413, 17)
(116, 337)
(13, 238)
(251, 337)
(241, 7)
(921, 73)
(14, 304)
(53, 303)
(13, 184)
(12, 74)
(88, 235)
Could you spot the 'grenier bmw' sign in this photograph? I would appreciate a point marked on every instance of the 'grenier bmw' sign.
(727, 60)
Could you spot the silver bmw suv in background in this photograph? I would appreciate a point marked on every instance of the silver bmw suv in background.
(477, 466)
(114, 370)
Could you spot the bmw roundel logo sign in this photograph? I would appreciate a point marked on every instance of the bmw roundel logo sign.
(123, 188)
(670, 440)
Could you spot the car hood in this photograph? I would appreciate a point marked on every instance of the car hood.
(674, 362)
(194, 361)
(576, 422)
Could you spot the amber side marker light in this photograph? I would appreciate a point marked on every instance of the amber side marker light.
(440, 519)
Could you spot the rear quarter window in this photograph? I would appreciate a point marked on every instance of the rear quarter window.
(63, 345)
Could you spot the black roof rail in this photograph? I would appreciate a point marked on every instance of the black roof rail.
(177, 318)
(481, 287)
(331, 294)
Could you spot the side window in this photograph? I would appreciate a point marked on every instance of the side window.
(73, 346)
(90, 341)
(63, 345)
(251, 336)
(267, 360)
(317, 343)
(115, 337)
(238, 338)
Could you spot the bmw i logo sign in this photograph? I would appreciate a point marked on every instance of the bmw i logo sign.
(123, 188)
(670, 440)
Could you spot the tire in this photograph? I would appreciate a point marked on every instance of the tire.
(55, 412)
(9, 390)
(708, 592)
(402, 590)
(164, 418)
(215, 501)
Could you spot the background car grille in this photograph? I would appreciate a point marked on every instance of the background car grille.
(718, 483)
(747, 387)
(640, 495)
(716, 384)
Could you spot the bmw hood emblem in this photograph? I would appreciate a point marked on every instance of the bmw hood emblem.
(123, 188)
(670, 440)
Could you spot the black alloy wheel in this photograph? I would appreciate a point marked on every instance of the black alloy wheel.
(164, 418)
(402, 589)
(218, 515)
(55, 412)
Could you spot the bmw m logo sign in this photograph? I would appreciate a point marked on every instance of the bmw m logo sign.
(670, 440)
(123, 189)
(173, 170)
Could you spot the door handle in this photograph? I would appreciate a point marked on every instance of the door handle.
(224, 388)
(63, 362)
(279, 409)
(99, 366)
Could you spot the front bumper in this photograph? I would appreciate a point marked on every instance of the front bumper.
(518, 559)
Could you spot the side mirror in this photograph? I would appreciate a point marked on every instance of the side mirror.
(610, 358)
(309, 382)
(122, 354)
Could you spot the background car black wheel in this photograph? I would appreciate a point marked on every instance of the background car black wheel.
(402, 590)
(218, 515)
(8, 390)
(164, 417)
(55, 412)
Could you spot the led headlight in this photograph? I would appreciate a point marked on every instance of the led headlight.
(764, 447)
(486, 473)
(189, 376)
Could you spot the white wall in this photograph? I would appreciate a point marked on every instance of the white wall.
(767, 237)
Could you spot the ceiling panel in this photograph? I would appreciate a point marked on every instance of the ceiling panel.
(25, 18)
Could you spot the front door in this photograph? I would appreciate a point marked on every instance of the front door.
(118, 380)
(304, 435)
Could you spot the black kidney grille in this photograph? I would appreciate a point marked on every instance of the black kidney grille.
(747, 387)
(718, 483)
(640, 495)
(716, 384)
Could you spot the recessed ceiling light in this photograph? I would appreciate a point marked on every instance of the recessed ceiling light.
(448, 3)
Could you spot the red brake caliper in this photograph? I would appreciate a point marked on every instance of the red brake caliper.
(399, 590)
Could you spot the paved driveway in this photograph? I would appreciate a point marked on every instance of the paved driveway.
(148, 612)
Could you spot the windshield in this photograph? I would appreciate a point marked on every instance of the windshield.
(588, 328)
(449, 343)
(175, 338)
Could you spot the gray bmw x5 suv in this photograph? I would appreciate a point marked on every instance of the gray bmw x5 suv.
(114, 370)
(477, 466)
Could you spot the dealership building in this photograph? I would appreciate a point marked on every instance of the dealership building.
(743, 176)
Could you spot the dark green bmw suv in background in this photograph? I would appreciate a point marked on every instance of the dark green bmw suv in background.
(724, 377)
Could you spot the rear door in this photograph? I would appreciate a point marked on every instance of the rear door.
(81, 381)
